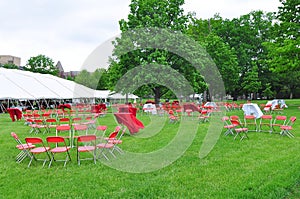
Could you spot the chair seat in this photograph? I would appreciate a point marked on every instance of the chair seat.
(105, 145)
(286, 127)
(229, 126)
(25, 146)
(101, 128)
(86, 148)
(80, 127)
(115, 141)
(63, 128)
(60, 149)
(241, 130)
(39, 149)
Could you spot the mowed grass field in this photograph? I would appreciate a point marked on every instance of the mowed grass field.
(263, 166)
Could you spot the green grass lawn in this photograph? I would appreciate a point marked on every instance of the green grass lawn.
(263, 166)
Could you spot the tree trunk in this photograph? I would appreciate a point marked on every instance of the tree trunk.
(157, 95)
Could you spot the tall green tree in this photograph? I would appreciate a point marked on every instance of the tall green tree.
(222, 54)
(146, 14)
(95, 80)
(41, 64)
(284, 47)
(245, 35)
(102, 76)
(84, 78)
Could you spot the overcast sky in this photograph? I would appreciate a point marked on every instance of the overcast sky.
(69, 30)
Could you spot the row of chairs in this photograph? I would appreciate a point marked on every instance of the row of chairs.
(234, 126)
(44, 125)
(98, 146)
(203, 115)
(266, 123)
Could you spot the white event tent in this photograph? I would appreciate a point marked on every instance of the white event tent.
(18, 84)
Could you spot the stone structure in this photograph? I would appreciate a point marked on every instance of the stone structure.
(8, 59)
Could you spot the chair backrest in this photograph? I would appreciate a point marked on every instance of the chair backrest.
(63, 128)
(55, 139)
(36, 115)
(235, 120)
(34, 140)
(101, 128)
(46, 115)
(225, 118)
(38, 121)
(51, 120)
(113, 135)
(249, 117)
(80, 127)
(171, 112)
(76, 119)
(281, 118)
(266, 117)
(292, 120)
(118, 128)
(89, 118)
(123, 132)
(16, 138)
(64, 120)
(14, 135)
(86, 138)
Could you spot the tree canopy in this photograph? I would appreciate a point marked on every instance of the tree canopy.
(163, 14)
(41, 64)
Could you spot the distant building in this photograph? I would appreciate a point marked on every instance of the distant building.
(8, 59)
(64, 74)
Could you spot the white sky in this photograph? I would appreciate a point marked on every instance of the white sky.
(69, 30)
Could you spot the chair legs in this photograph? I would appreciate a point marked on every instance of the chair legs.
(104, 147)
(242, 133)
(34, 158)
(68, 158)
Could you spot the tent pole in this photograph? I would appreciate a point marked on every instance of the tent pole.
(30, 104)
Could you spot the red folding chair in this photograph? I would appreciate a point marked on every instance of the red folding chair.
(58, 145)
(266, 120)
(228, 126)
(40, 148)
(279, 121)
(23, 148)
(40, 126)
(287, 129)
(64, 121)
(86, 143)
(90, 122)
(76, 121)
(117, 141)
(80, 130)
(250, 123)
(105, 145)
(51, 123)
(204, 115)
(173, 118)
(102, 130)
(239, 128)
(65, 128)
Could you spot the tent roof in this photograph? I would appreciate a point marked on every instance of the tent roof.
(18, 84)
(121, 96)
